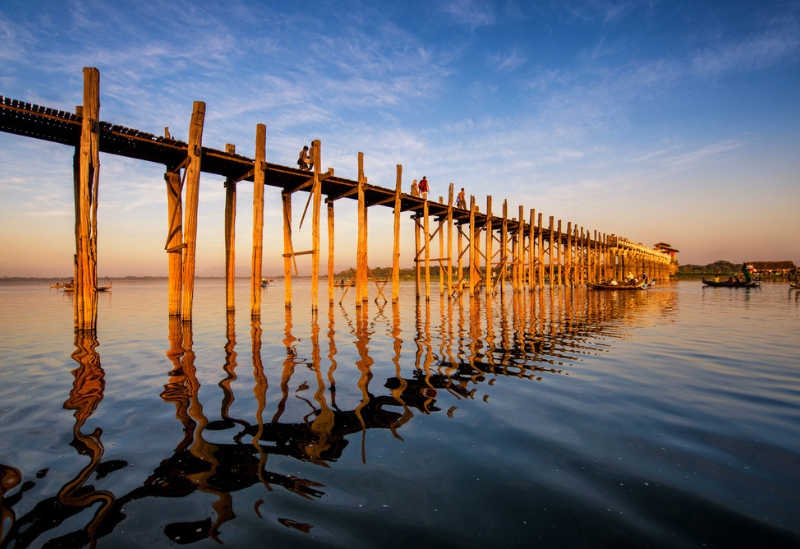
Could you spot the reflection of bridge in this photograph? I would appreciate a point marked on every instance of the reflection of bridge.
(529, 337)
(526, 253)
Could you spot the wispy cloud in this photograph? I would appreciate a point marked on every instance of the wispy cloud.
(753, 53)
(506, 62)
(470, 13)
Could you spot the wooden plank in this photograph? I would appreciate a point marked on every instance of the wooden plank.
(192, 199)
(258, 220)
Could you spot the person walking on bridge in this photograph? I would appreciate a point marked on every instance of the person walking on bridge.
(423, 187)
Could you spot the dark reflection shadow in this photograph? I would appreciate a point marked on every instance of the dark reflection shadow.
(76, 495)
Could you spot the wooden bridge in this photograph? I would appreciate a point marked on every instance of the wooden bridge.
(522, 253)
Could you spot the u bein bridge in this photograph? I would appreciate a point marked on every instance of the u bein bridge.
(530, 337)
(521, 253)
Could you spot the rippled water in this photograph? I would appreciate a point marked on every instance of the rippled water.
(665, 418)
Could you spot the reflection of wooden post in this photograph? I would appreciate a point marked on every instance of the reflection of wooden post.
(175, 239)
(396, 255)
(230, 236)
(87, 177)
(489, 247)
(192, 199)
(361, 260)
(450, 242)
(531, 236)
(330, 252)
(426, 229)
(540, 242)
(258, 219)
(316, 191)
(286, 199)
(473, 276)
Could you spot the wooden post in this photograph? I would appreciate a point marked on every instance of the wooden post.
(192, 200)
(504, 248)
(330, 253)
(87, 178)
(450, 242)
(550, 273)
(489, 247)
(316, 190)
(570, 274)
(174, 245)
(396, 255)
(521, 249)
(259, 177)
(426, 229)
(472, 267)
(441, 252)
(286, 199)
(361, 254)
(540, 244)
(230, 236)
(559, 254)
(417, 262)
(531, 236)
(460, 255)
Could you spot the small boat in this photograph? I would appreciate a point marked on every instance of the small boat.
(344, 284)
(57, 285)
(734, 284)
(794, 285)
(639, 286)
(104, 288)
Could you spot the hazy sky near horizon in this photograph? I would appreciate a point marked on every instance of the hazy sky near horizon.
(658, 121)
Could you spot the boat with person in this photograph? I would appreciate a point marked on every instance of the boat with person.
(732, 283)
(615, 287)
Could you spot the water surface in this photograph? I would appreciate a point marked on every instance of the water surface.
(563, 417)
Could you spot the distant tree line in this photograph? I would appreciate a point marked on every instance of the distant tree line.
(717, 266)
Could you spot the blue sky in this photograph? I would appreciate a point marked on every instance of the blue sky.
(658, 121)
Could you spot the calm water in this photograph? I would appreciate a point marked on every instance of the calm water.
(565, 418)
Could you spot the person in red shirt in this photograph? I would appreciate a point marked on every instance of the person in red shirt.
(423, 187)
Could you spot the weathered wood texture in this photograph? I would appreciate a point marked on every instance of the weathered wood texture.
(258, 220)
(192, 199)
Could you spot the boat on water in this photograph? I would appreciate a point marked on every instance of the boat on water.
(71, 287)
(57, 286)
(794, 285)
(638, 286)
(733, 284)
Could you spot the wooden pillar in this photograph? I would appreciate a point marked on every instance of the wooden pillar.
(396, 255)
(540, 251)
(175, 246)
(259, 177)
(521, 249)
(192, 200)
(426, 229)
(441, 251)
(559, 254)
(450, 241)
(552, 219)
(417, 261)
(504, 248)
(316, 190)
(570, 269)
(286, 199)
(460, 255)
(330, 253)
(489, 247)
(596, 259)
(230, 236)
(531, 237)
(473, 275)
(86, 180)
(361, 253)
